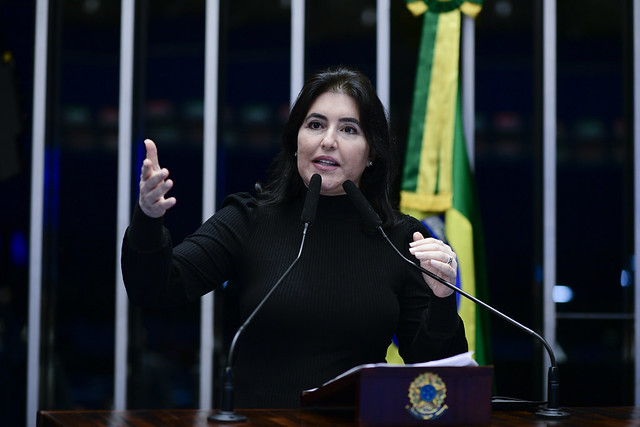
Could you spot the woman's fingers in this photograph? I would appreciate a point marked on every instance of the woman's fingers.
(152, 154)
(153, 179)
(431, 248)
(150, 164)
(154, 184)
(417, 236)
(437, 257)
(158, 191)
(146, 170)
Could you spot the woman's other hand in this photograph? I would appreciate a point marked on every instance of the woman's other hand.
(154, 184)
(437, 257)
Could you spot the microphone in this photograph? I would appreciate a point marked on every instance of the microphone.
(311, 202)
(226, 412)
(371, 218)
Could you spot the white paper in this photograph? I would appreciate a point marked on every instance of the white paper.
(459, 361)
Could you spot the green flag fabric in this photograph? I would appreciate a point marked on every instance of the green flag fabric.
(437, 181)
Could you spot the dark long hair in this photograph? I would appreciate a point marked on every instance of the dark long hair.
(285, 182)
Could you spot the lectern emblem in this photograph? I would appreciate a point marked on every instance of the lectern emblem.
(426, 395)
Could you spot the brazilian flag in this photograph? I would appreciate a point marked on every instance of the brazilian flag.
(437, 183)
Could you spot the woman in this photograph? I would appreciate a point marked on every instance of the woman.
(349, 293)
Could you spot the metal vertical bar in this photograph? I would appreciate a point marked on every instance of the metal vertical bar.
(468, 85)
(549, 171)
(636, 191)
(37, 207)
(297, 49)
(125, 117)
(383, 52)
(209, 168)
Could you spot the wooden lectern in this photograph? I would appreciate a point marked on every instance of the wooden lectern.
(409, 395)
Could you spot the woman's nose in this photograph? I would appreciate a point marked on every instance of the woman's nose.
(329, 139)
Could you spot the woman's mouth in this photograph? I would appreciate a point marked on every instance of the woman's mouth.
(325, 162)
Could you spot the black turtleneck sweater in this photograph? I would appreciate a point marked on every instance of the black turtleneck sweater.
(339, 307)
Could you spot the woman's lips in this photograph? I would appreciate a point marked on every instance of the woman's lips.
(325, 163)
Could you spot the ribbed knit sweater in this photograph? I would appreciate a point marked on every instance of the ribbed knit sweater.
(339, 307)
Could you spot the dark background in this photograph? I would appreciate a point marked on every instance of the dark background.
(594, 178)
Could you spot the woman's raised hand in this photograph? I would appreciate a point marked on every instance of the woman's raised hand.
(437, 257)
(154, 184)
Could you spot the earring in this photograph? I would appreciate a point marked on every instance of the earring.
(370, 163)
(295, 154)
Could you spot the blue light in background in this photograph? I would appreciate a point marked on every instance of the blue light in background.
(538, 274)
(625, 278)
(19, 249)
(626, 275)
(562, 294)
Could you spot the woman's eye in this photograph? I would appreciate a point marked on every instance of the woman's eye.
(314, 125)
(350, 130)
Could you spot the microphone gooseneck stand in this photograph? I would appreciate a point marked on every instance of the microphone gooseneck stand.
(371, 218)
(226, 412)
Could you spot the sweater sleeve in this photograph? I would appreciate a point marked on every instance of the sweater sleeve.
(430, 327)
(157, 274)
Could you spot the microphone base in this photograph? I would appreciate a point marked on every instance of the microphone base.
(227, 417)
(552, 413)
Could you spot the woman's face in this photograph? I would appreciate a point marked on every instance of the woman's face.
(331, 143)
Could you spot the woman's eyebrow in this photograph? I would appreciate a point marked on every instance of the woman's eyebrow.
(316, 116)
(349, 120)
(342, 119)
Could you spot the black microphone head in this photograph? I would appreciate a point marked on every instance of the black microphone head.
(361, 204)
(311, 201)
